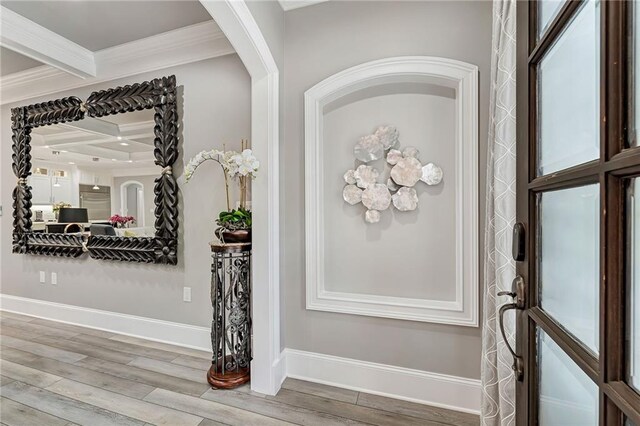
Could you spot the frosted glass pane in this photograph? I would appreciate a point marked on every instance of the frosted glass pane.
(547, 10)
(568, 397)
(633, 317)
(568, 266)
(569, 95)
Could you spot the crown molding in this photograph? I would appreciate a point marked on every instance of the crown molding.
(178, 47)
(35, 41)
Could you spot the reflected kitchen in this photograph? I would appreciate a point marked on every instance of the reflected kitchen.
(95, 176)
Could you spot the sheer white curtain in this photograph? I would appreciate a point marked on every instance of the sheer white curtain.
(498, 386)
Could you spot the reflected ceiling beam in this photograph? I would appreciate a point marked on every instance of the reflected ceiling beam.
(94, 125)
(89, 151)
(70, 142)
(35, 41)
(111, 132)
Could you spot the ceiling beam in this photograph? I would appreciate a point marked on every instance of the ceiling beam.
(177, 47)
(35, 41)
(297, 4)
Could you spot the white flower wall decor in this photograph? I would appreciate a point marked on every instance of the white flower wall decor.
(362, 184)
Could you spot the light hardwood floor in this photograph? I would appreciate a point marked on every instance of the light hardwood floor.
(58, 374)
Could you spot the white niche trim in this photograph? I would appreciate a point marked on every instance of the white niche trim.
(462, 77)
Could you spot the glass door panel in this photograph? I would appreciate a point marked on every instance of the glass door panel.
(547, 10)
(567, 396)
(568, 260)
(569, 99)
(633, 299)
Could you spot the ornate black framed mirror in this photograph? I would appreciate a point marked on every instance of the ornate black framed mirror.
(74, 145)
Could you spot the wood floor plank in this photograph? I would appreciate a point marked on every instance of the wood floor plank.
(321, 390)
(130, 407)
(63, 407)
(73, 328)
(168, 368)
(4, 380)
(7, 330)
(246, 388)
(344, 409)
(145, 376)
(42, 350)
(7, 314)
(16, 414)
(193, 362)
(27, 375)
(418, 410)
(209, 422)
(39, 329)
(162, 346)
(126, 347)
(266, 407)
(88, 350)
(79, 374)
(210, 409)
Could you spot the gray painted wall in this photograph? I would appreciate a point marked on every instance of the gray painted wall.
(320, 41)
(215, 109)
(406, 254)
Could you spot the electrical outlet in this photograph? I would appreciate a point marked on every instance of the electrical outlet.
(54, 278)
(186, 294)
(43, 277)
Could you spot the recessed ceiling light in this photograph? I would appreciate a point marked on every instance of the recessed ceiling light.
(46, 146)
(113, 159)
(119, 138)
(71, 162)
(62, 150)
(124, 144)
(129, 161)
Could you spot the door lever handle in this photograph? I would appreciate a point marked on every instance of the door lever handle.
(518, 293)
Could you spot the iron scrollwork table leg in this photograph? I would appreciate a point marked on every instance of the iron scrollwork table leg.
(231, 324)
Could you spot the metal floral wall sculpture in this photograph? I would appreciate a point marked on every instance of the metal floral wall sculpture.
(406, 171)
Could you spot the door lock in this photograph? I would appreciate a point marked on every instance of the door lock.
(518, 294)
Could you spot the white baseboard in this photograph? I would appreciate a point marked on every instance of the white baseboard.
(189, 336)
(439, 390)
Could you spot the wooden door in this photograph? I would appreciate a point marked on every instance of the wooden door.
(578, 192)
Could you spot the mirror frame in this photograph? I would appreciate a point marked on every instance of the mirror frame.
(159, 94)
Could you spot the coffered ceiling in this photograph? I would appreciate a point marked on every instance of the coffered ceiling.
(97, 25)
(121, 140)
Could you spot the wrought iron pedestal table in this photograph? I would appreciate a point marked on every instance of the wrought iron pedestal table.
(231, 325)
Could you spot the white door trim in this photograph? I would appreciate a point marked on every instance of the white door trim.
(463, 78)
(124, 205)
(242, 31)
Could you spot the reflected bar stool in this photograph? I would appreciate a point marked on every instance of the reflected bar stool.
(231, 325)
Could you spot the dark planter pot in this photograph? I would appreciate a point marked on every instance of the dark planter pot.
(238, 236)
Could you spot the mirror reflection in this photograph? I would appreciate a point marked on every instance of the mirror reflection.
(95, 176)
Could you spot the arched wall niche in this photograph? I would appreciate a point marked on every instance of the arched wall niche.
(440, 77)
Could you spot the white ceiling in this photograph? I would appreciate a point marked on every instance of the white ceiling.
(11, 62)
(97, 25)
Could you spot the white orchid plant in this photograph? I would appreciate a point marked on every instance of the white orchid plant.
(240, 166)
